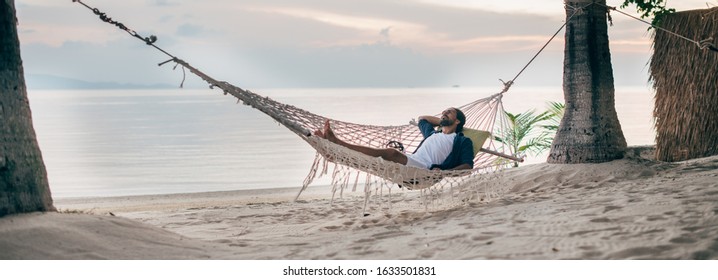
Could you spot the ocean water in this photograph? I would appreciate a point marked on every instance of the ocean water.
(135, 142)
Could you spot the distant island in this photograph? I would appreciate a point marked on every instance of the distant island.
(35, 81)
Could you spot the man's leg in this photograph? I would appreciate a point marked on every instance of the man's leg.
(386, 154)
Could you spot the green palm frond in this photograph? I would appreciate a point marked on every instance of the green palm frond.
(529, 132)
(519, 135)
(556, 110)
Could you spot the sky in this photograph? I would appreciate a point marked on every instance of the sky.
(319, 43)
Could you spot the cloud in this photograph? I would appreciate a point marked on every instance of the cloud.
(190, 30)
(266, 43)
(385, 31)
(421, 27)
(53, 25)
(538, 7)
(163, 3)
(361, 29)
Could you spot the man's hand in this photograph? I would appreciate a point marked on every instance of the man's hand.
(431, 119)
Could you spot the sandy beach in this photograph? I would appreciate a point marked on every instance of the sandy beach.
(634, 208)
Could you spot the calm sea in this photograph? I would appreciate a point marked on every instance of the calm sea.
(135, 142)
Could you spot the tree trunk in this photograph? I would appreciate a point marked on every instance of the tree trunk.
(23, 179)
(589, 131)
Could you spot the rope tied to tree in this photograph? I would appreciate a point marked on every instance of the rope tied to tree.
(707, 44)
(103, 16)
(701, 44)
(150, 40)
(509, 83)
(576, 10)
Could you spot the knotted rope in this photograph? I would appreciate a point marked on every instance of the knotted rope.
(701, 44)
(509, 83)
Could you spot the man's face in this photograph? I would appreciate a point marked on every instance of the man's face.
(448, 117)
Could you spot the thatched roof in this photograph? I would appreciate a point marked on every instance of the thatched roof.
(685, 76)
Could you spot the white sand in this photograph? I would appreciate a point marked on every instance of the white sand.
(627, 209)
(81, 236)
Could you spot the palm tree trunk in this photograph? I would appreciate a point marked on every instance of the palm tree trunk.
(589, 131)
(23, 179)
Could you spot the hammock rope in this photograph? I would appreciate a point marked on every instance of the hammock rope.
(508, 84)
(701, 44)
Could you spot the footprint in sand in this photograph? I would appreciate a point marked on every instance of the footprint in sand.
(332, 227)
(656, 218)
(611, 208)
(482, 237)
(683, 240)
(390, 234)
(601, 220)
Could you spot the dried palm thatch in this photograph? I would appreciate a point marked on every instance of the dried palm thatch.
(684, 76)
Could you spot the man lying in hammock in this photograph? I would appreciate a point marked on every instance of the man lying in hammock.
(447, 149)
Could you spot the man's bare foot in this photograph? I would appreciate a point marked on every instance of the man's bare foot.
(327, 133)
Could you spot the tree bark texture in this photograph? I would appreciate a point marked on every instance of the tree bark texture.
(589, 131)
(23, 179)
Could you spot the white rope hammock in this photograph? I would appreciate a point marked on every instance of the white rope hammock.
(484, 115)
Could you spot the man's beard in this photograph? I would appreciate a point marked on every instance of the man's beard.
(445, 122)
